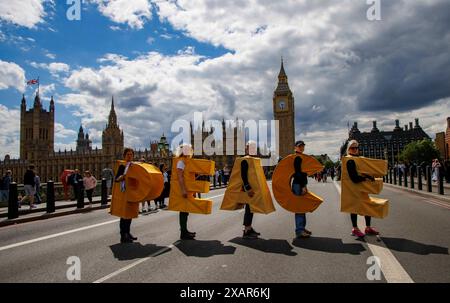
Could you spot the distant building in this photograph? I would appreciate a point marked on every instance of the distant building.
(386, 144)
(442, 142)
(37, 133)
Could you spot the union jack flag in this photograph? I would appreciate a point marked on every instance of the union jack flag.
(33, 82)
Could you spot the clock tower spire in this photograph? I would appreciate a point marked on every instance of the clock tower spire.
(284, 112)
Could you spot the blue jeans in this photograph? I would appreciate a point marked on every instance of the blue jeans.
(4, 195)
(300, 219)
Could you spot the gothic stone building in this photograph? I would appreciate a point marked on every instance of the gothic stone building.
(37, 131)
(442, 142)
(386, 144)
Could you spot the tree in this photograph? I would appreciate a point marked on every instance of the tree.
(419, 152)
(328, 164)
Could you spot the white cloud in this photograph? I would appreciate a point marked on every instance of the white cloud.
(63, 133)
(9, 136)
(11, 75)
(132, 12)
(55, 68)
(50, 55)
(333, 55)
(150, 40)
(26, 13)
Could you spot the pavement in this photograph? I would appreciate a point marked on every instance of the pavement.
(413, 246)
(62, 208)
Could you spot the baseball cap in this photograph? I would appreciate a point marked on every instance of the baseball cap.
(299, 143)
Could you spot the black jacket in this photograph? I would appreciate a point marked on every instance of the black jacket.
(351, 169)
(299, 176)
(28, 178)
(244, 175)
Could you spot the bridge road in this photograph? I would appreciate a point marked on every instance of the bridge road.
(413, 248)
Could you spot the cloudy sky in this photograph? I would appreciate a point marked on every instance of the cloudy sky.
(163, 60)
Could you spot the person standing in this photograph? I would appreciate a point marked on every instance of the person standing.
(76, 181)
(4, 186)
(184, 151)
(159, 202)
(226, 175)
(108, 175)
(29, 186)
(166, 190)
(125, 221)
(436, 166)
(299, 188)
(353, 150)
(89, 183)
(249, 232)
(37, 195)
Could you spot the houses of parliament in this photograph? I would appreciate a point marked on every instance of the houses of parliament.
(37, 132)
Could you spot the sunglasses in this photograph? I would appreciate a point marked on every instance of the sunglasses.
(354, 147)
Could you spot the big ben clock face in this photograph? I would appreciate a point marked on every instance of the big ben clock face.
(281, 106)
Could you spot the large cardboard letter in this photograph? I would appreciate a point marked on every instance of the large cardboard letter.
(191, 204)
(355, 196)
(143, 182)
(281, 184)
(235, 197)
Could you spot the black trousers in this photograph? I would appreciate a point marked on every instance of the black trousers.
(248, 216)
(183, 221)
(89, 193)
(125, 225)
(354, 218)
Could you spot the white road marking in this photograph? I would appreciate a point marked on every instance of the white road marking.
(56, 235)
(214, 196)
(68, 232)
(392, 270)
(134, 264)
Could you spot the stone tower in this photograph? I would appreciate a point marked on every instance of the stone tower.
(36, 130)
(112, 138)
(84, 144)
(284, 112)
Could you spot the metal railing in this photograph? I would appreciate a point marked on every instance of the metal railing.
(52, 192)
(395, 177)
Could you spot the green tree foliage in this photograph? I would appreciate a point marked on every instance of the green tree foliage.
(329, 164)
(419, 151)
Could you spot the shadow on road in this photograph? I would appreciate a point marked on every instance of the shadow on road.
(275, 246)
(136, 250)
(405, 245)
(329, 245)
(200, 248)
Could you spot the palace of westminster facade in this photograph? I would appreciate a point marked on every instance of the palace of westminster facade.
(37, 132)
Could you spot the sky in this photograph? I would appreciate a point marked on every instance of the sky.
(165, 60)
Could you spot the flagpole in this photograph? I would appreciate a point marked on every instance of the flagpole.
(38, 85)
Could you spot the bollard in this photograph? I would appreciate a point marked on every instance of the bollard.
(104, 193)
(395, 176)
(80, 200)
(419, 178)
(441, 184)
(399, 179)
(411, 177)
(13, 205)
(429, 179)
(390, 176)
(405, 176)
(50, 197)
